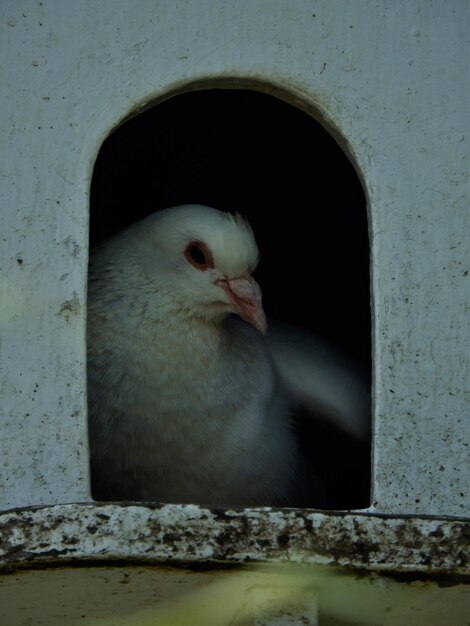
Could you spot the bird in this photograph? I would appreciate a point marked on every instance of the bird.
(190, 395)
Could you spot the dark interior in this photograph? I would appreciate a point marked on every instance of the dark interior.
(241, 150)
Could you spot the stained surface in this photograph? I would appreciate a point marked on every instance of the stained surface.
(188, 533)
(242, 150)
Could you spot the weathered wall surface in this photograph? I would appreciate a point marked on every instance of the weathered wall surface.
(390, 78)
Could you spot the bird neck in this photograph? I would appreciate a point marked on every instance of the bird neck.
(183, 330)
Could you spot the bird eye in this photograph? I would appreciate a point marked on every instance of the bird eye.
(199, 255)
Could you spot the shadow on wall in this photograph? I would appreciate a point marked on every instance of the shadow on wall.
(240, 150)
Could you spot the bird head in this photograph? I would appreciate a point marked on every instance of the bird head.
(203, 260)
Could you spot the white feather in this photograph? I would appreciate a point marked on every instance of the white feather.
(186, 403)
(321, 380)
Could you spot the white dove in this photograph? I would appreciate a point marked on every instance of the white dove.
(189, 400)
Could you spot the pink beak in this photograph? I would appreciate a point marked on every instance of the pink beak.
(245, 295)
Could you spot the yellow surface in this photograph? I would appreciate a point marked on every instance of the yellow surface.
(150, 596)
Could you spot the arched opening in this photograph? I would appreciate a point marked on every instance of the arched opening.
(246, 151)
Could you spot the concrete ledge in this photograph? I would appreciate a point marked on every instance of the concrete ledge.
(190, 534)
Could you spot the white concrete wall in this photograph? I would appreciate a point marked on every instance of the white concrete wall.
(391, 78)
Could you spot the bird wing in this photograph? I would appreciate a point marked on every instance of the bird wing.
(320, 380)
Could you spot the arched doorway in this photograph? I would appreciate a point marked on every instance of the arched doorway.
(247, 151)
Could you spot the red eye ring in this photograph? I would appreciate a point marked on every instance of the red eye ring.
(199, 255)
